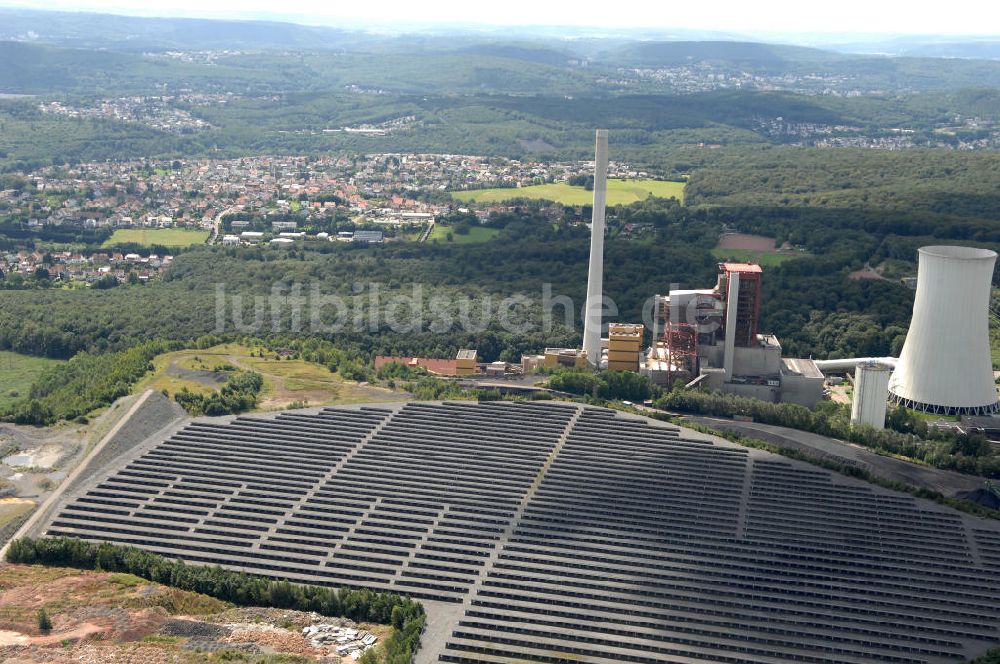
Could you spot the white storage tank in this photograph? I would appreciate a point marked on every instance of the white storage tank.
(871, 394)
(945, 366)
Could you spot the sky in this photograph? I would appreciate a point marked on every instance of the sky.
(963, 17)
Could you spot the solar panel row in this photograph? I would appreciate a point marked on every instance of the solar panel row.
(565, 533)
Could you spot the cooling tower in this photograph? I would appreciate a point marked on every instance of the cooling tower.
(871, 391)
(945, 366)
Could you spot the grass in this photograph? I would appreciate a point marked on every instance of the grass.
(63, 590)
(286, 381)
(13, 508)
(17, 373)
(166, 237)
(620, 192)
(762, 258)
(475, 234)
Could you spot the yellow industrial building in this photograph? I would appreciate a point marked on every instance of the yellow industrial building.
(624, 346)
(466, 362)
(565, 357)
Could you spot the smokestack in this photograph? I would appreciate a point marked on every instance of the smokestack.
(595, 275)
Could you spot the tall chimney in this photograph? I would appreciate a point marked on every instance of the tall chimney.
(595, 275)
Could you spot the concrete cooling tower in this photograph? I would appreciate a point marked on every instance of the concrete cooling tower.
(945, 366)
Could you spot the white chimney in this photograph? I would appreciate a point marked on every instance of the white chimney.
(595, 275)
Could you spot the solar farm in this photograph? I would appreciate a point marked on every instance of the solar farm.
(559, 533)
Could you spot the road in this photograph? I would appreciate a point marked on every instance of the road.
(945, 481)
(217, 225)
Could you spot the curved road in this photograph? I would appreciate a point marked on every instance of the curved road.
(945, 481)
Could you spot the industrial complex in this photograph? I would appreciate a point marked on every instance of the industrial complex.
(710, 337)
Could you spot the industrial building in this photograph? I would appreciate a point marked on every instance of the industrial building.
(710, 337)
(467, 362)
(946, 366)
(572, 358)
(624, 347)
(871, 392)
(560, 533)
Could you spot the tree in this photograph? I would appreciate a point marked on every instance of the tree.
(44, 622)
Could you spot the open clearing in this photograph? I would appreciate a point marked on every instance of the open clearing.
(620, 192)
(116, 617)
(475, 234)
(12, 508)
(17, 373)
(758, 249)
(166, 237)
(286, 381)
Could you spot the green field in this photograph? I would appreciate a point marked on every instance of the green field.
(166, 237)
(475, 234)
(620, 192)
(17, 373)
(762, 258)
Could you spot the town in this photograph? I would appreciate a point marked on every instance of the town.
(253, 200)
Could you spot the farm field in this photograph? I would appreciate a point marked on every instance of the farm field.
(17, 373)
(758, 249)
(286, 381)
(475, 234)
(620, 192)
(167, 237)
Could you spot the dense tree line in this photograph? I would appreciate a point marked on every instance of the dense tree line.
(966, 453)
(85, 383)
(626, 385)
(404, 614)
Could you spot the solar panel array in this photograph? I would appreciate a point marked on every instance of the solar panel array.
(565, 534)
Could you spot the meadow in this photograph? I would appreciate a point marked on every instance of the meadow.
(620, 192)
(765, 259)
(760, 249)
(286, 381)
(164, 237)
(17, 373)
(475, 234)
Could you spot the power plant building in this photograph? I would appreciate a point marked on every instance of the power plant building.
(466, 362)
(710, 337)
(624, 346)
(946, 366)
(871, 391)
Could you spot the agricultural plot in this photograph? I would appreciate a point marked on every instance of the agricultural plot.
(620, 192)
(166, 237)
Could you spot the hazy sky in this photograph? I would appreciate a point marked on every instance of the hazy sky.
(958, 17)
